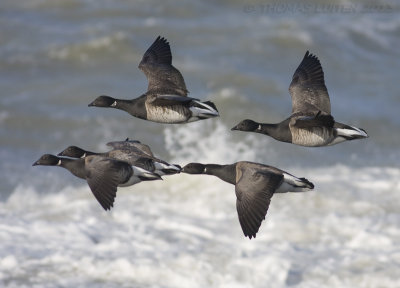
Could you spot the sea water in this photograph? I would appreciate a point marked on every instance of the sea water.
(58, 56)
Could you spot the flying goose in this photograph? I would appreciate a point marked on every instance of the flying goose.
(311, 122)
(166, 98)
(134, 155)
(102, 174)
(254, 186)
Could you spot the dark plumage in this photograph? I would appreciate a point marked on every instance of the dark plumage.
(254, 186)
(162, 76)
(166, 99)
(133, 152)
(102, 174)
(131, 144)
(311, 122)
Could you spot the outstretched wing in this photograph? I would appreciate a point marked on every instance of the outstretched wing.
(103, 176)
(135, 153)
(254, 190)
(144, 148)
(122, 144)
(156, 64)
(131, 144)
(308, 90)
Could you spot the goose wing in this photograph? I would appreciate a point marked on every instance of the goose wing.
(121, 144)
(133, 145)
(301, 120)
(156, 64)
(169, 100)
(103, 176)
(254, 190)
(143, 148)
(307, 89)
(145, 163)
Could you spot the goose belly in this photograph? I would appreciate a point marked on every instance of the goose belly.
(168, 114)
(312, 137)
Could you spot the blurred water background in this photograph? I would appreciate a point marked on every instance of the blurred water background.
(57, 56)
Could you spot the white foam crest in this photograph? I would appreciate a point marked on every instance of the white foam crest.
(184, 232)
(208, 142)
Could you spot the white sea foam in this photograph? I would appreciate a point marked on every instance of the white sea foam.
(208, 141)
(184, 231)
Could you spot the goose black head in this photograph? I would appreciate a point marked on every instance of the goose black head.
(194, 168)
(104, 101)
(73, 152)
(48, 160)
(246, 125)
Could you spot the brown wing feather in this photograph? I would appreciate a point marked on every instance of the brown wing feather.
(103, 176)
(254, 190)
(318, 120)
(169, 100)
(134, 152)
(123, 144)
(159, 52)
(156, 64)
(307, 89)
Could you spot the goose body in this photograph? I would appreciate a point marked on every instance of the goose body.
(166, 99)
(311, 123)
(138, 155)
(255, 184)
(102, 174)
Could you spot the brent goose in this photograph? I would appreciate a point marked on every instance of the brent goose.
(254, 186)
(311, 122)
(166, 98)
(102, 174)
(131, 154)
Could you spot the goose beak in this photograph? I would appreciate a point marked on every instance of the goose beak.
(35, 164)
(234, 128)
(90, 104)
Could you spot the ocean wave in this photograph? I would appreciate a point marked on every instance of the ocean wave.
(184, 231)
(90, 48)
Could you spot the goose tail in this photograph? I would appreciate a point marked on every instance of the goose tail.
(294, 184)
(145, 175)
(351, 133)
(203, 110)
(166, 169)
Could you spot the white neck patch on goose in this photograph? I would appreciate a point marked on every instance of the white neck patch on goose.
(114, 104)
(59, 163)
